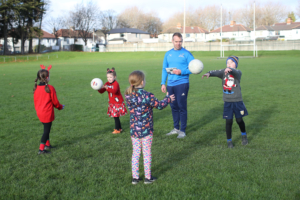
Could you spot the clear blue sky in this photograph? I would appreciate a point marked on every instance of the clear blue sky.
(164, 8)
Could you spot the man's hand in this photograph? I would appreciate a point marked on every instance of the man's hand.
(176, 71)
(207, 75)
(163, 88)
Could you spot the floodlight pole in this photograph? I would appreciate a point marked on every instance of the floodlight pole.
(183, 23)
(221, 33)
(254, 38)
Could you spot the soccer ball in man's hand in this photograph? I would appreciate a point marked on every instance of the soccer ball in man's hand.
(196, 66)
(96, 83)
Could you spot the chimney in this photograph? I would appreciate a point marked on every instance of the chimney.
(232, 23)
(288, 21)
(178, 26)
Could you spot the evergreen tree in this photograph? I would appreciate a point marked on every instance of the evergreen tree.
(292, 16)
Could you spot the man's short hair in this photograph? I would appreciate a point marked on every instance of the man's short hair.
(177, 34)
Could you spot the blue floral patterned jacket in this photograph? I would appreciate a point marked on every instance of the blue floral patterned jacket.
(141, 104)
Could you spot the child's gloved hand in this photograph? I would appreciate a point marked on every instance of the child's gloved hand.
(63, 107)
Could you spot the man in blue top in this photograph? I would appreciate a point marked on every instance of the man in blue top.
(175, 68)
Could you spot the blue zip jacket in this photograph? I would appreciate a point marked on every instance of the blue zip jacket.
(179, 59)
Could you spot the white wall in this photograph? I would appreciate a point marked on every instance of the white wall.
(237, 35)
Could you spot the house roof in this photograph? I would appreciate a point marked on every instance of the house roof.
(191, 29)
(70, 33)
(232, 28)
(47, 35)
(285, 26)
(297, 27)
(127, 30)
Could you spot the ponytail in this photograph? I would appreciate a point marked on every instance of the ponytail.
(47, 87)
(35, 84)
(130, 89)
(135, 79)
(42, 76)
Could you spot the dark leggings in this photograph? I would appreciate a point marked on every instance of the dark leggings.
(229, 123)
(117, 123)
(47, 128)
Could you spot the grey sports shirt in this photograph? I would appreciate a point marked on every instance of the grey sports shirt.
(230, 84)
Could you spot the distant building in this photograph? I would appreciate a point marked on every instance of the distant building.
(72, 36)
(285, 31)
(233, 31)
(192, 33)
(121, 35)
(47, 39)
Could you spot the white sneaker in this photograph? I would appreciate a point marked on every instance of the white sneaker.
(174, 131)
(181, 135)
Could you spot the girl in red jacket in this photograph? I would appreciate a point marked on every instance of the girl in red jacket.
(116, 107)
(44, 100)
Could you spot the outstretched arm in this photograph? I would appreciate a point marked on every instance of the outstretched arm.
(155, 103)
(215, 73)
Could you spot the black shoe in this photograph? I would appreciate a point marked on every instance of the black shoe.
(149, 181)
(230, 145)
(135, 181)
(49, 147)
(244, 140)
(43, 152)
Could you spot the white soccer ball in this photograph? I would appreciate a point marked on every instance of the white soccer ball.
(96, 83)
(196, 66)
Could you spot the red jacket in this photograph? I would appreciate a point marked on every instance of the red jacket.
(114, 93)
(44, 103)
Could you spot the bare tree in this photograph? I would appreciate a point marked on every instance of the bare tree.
(266, 14)
(131, 18)
(52, 25)
(152, 23)
(84, 18)
(245, 16)
(298, 9)
(207, 17)
(108, 21)
(135, 17)
(273, 12)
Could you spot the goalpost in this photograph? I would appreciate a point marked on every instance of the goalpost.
(222, 49)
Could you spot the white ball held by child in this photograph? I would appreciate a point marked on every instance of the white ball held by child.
(96, 83)
(196, 66)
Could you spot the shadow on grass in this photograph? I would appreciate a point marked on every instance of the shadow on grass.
(260, 121)
(178, 155)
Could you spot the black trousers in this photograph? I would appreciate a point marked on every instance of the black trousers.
(117, 123)
(229, 123)
(47, 128)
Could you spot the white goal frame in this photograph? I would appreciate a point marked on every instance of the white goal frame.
(222, 51)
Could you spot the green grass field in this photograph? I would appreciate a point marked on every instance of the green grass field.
(91, 163)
